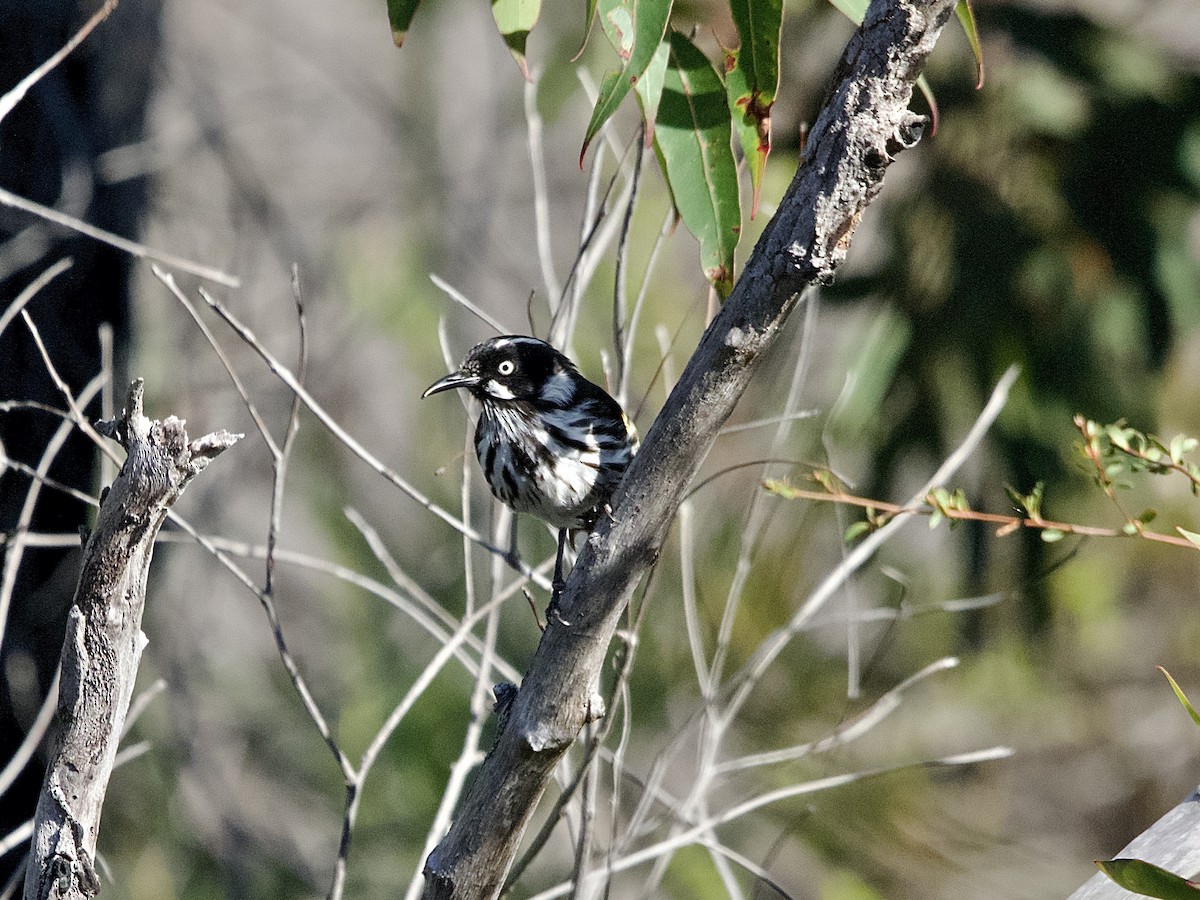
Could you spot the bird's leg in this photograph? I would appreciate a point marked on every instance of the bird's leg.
(558, 582)
(513, 558)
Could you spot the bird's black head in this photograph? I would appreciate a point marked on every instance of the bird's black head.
(513, 368)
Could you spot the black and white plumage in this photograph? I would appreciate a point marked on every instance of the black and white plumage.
(550, 442)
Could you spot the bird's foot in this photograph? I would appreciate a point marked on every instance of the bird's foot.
(552, 611)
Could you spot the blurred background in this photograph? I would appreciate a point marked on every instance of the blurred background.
(1051, 223)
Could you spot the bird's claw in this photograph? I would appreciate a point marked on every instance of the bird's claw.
(556, 589)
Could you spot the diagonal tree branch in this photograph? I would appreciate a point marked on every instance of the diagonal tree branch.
(104, 643)
(865, 122)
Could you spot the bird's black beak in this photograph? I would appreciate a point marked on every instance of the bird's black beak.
(449, 383)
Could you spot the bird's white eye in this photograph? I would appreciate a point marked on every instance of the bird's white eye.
(506, 367)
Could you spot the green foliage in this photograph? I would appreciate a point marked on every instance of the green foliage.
(636, 29)
(692, 142)
(1030, 503)
(966, 18)
(1187, 704)
(1118, 450)
(1112, 450)
(400, 16)
(751, 79)
(1148, 879)
(1004, 250)
(696, 154)
(944, 503)
(515, 19)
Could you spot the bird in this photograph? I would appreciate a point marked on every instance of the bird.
(550, 442)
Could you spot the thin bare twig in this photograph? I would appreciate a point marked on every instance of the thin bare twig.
(356, 778)
(32, 538)
(77, 415)
(696, 833)
(289, 437)
(602, 235)
(760, 510)
(798, 416)
(141, 251)
(33, 738)
(108, 411)
(17, 93)
(622, 394)
(587, 815)
(31, 291)
(225, 547)
(168, 281)
(753, 671)
(141, 703)
(618, 697)
(691, 610)
(18, 876)
(845, 733)
(471, 753)
(15, 548)
(595, 211)
(15, 838)
(462, 300)
(1007, 523)
(541, 194)
(279, 456)
(620, 289)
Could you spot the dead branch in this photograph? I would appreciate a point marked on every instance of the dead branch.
(104, 642)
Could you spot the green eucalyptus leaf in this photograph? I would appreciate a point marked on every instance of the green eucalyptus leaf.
(650, 87)
(515, 19)
(1150, 880)
(635, 28)
(966, 18)
(400, 15)
(587, 27)
(1187, 704)
(751, 81)
(692, 141)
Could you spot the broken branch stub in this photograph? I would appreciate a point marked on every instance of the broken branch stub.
(104, 642)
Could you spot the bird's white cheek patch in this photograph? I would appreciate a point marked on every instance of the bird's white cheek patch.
(499, 391)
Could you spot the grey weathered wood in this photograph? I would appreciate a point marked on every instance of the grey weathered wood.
(1173, 842)
(104, 643)
(865, 122)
